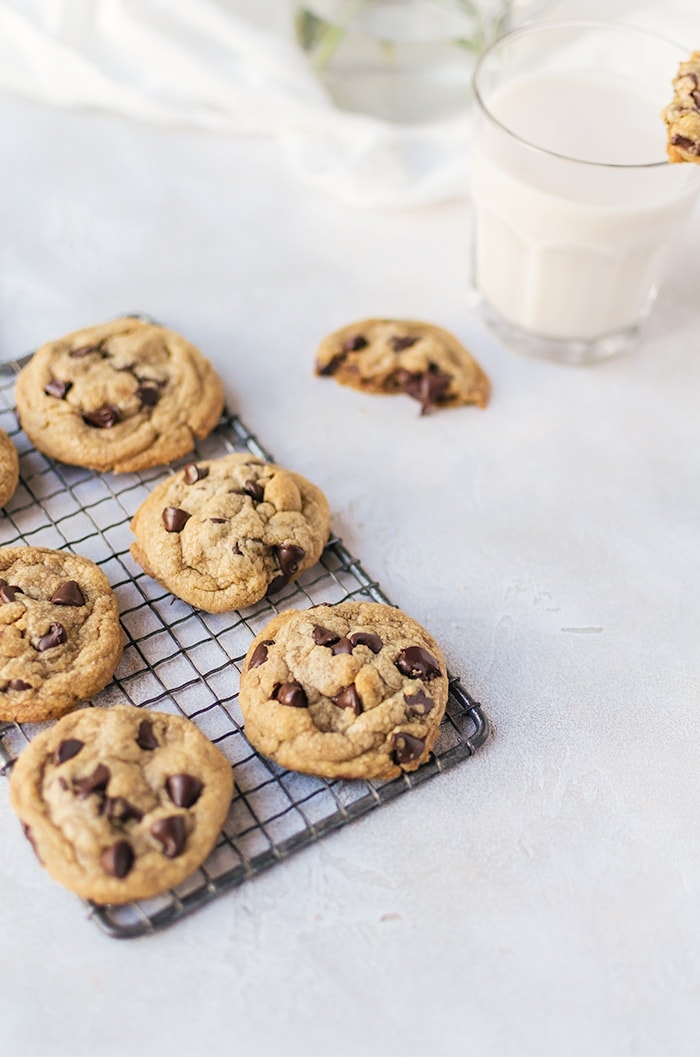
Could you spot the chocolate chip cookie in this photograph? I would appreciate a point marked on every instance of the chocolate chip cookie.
(121, 803)
(404, 356)
(220, 534)
(355, 690)
(682, 115)
(9, 468)
(120, 396)
(60, 637)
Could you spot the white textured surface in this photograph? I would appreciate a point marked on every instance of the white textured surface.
(541, 899)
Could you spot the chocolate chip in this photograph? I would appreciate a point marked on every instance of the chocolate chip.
(184, 789)
(406, 748)
(18, 684)
(171, 832)
(366, 638)
(696, 97)
(83, 350)
(148, 394)
(175, 519)
(289, 556)
(92, 783)
(291, 694)
(333, 364)
(237, 550)
(218, 520)
(54, 637)
(193, 473)
(8, 592)
(417, 663)
(324, 637)
(103, 417)
(428, 387)
(255, 490)
(68, 594)
(401, 342)
(259, 655)
(57, 388)
(146, 739)
(67, 749)
(117, 809)
(343, 645)
(419, 703)
(277, 584)
(118, 859)
(355, 343)
(686, 144)
(349, 698)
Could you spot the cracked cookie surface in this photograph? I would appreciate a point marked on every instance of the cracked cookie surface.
(9, 468)
(682, 115)
(222, 533)
(354, 690)
(404, 356)
(60, 636)
(121, 803)
(120, 396)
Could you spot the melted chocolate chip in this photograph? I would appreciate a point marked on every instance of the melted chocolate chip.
(406, 748)
(92, 783)
(68, 594)
(103, 417)
(349, 698)
(148, 394)
(184, 789)
(255, 490)
(117, 809)
(193, 473)
(57, 388)
(289, 556)
(277, 584)
(54, 637)
(417, 663)
(67, 749)
(8, 592)
(146, 739)
(237, 550)
(402, 341)
(259, 655)
(18, 684)
(333, 364)
(343, 645)
(428, 387)
(324, 637)
(355, 343)
(291, 694)
(366, 638)
(171, 833)
(419, 703)
(175, 519)
(686, 144)
(118, 859)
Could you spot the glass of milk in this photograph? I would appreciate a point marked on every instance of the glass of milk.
(575, 205)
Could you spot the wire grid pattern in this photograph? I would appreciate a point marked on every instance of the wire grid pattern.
(188, 662)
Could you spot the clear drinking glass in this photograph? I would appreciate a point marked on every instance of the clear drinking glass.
(575, 205)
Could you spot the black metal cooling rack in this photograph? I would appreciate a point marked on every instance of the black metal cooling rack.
(181, 660)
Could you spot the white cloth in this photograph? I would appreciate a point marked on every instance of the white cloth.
(213, 64)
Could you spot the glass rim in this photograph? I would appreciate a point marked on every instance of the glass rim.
(560, 24)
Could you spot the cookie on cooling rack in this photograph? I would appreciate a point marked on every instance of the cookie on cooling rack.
(354, 690)
(9, 468)
(404, 356)
(222, 533)
(60, 636)
(120, 803)
(121, 396)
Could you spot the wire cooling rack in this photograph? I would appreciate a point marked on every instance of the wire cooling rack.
(185, 661)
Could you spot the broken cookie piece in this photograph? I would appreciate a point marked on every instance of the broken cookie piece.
(404, 356)
(682, 115)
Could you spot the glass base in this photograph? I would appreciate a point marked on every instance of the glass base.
(575, 352)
